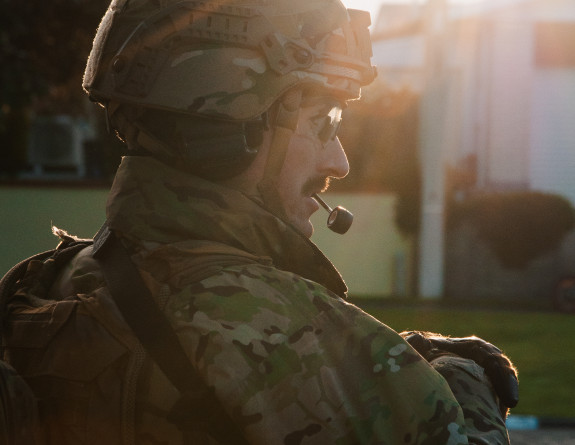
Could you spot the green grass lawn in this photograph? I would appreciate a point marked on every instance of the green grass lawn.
(541, 345)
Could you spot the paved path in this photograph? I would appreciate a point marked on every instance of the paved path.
(563, 436)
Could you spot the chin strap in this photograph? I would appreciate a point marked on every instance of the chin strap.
(133, 134)
(284, 125)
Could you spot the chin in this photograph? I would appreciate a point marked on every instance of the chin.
(300, 217)
(303, 226)
(306, 229)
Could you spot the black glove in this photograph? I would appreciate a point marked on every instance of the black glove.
(497, 366)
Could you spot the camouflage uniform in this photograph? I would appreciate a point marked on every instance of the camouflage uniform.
(291, 359)
(262, 315)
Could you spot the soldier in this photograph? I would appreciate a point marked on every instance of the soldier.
(230, 111)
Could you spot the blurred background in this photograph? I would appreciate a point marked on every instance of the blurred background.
(461, 155)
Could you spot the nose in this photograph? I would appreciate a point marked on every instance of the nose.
(333, 160)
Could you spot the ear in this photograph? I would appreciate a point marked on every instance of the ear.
(248, 179)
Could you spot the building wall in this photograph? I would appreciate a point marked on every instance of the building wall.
(553, 98)
(553, 132)
(513, 114)
(508, 84)
(518, 114)
(400, 61)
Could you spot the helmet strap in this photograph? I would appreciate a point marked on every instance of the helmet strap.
(284, 125)
(210, 149)
(132, 133)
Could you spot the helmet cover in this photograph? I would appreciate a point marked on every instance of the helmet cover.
(227, 60)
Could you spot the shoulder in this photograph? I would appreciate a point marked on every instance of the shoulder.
(263, 285)
(240, 291)
(270, 299)
(267, 337)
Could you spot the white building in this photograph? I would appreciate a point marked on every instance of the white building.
(509, 91)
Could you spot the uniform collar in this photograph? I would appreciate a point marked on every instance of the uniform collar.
(151, 202)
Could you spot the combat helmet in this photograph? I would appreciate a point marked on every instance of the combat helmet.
(223, 63)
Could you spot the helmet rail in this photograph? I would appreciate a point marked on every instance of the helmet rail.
(174, 58)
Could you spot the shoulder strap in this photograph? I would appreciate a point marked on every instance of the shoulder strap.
(198, 409)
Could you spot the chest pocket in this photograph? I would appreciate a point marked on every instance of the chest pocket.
(74, 366)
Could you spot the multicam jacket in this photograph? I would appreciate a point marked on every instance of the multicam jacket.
(263, 317)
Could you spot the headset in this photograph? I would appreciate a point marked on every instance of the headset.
(339, 219)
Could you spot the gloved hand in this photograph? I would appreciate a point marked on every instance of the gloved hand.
(497, 366)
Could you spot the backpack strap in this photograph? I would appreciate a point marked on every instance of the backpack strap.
(198, 408)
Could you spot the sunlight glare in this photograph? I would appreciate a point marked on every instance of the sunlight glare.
(373, 6)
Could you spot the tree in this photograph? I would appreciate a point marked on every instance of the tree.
(44, 44)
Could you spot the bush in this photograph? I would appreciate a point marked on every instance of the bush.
(518, 226)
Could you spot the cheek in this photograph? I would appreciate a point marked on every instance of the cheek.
(303, 150)
(300, 161)
(298, 168)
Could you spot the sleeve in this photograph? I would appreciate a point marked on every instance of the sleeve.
(484, 421)
(294, 364)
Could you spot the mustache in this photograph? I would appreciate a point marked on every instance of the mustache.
(316, 185)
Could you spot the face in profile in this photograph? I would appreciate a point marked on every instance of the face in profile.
(314, 155)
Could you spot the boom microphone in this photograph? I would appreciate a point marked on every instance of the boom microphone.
(339, 219)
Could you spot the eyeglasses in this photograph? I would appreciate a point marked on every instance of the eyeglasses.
(329, 126)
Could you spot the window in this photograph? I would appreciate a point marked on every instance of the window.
(555, 44)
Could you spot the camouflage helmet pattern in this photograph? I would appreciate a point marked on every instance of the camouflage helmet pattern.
(226, 59)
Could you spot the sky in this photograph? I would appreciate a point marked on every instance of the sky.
(373, 5)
